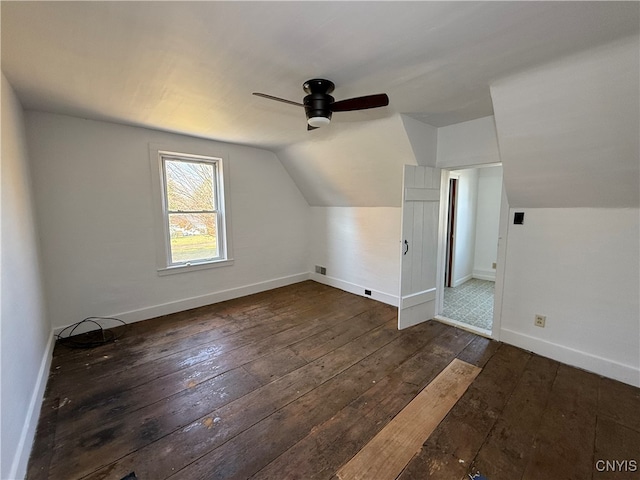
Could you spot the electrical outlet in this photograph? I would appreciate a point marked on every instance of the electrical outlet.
(539, 321)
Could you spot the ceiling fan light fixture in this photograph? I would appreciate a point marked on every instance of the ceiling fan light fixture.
(318, 121)
(319, 105)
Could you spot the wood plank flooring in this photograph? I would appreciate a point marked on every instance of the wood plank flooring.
(294, 382)
(389, 452)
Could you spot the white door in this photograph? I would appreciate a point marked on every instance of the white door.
(420, 209)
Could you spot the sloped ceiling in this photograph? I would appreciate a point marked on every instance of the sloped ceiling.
(190, 67)
(569, 131)
(360, 164)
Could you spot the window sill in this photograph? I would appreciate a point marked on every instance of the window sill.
(194, 267)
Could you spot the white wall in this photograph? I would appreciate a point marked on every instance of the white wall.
(487, 223)
(465, 228)
(467, 144)
(568, 131)
(423, 139)
(96, 210)
(25, 338)
(358, 178)
(353, 164)
(579, 267)
(360, 247)
(568, 136)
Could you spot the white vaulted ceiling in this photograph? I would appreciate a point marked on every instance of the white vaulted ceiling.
(360, 164)
(190, 67)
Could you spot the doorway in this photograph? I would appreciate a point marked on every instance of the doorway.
(470, 243)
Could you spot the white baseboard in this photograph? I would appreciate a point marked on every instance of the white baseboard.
(25, 443)
(460, 281)
(593, 363)
(356, 289)
(202, 300)
(484, 275)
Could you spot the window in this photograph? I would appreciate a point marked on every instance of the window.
(194, 224)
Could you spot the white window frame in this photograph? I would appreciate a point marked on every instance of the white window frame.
(157, 156)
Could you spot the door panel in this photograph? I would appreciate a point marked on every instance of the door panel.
(420, 210)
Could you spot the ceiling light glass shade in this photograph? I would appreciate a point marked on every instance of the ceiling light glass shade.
(318, 121)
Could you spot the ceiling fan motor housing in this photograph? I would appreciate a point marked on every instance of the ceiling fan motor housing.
(318, 101)
(318, 105)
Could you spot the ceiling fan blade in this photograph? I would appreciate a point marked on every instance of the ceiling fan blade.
(361, 103)
(277, 99)
(309, 127)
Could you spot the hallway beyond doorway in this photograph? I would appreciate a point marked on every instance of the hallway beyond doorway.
(470, 303)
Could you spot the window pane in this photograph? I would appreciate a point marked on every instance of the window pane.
(193, 237)
(190, 186)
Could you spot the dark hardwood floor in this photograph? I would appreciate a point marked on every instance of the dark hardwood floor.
(292, 383)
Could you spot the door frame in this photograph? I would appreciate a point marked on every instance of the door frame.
(500, 260)
(450, 228)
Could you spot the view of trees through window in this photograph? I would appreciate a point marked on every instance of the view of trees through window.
(192, 212)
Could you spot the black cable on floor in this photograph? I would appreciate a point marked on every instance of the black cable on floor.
(91, 338)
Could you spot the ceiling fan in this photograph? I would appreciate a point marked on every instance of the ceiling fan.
(319, 105)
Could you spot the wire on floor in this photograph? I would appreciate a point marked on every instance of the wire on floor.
(100, 335)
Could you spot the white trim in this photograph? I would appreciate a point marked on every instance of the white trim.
(25, 444)
(215, 163)
(188, 267)
(460, 281)
(602, 366)
(442, 238)
(418, 298)
(502, 247)
(355, 289)
(225, 237)
(203, 300)
(484, 275)
(501, 262)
